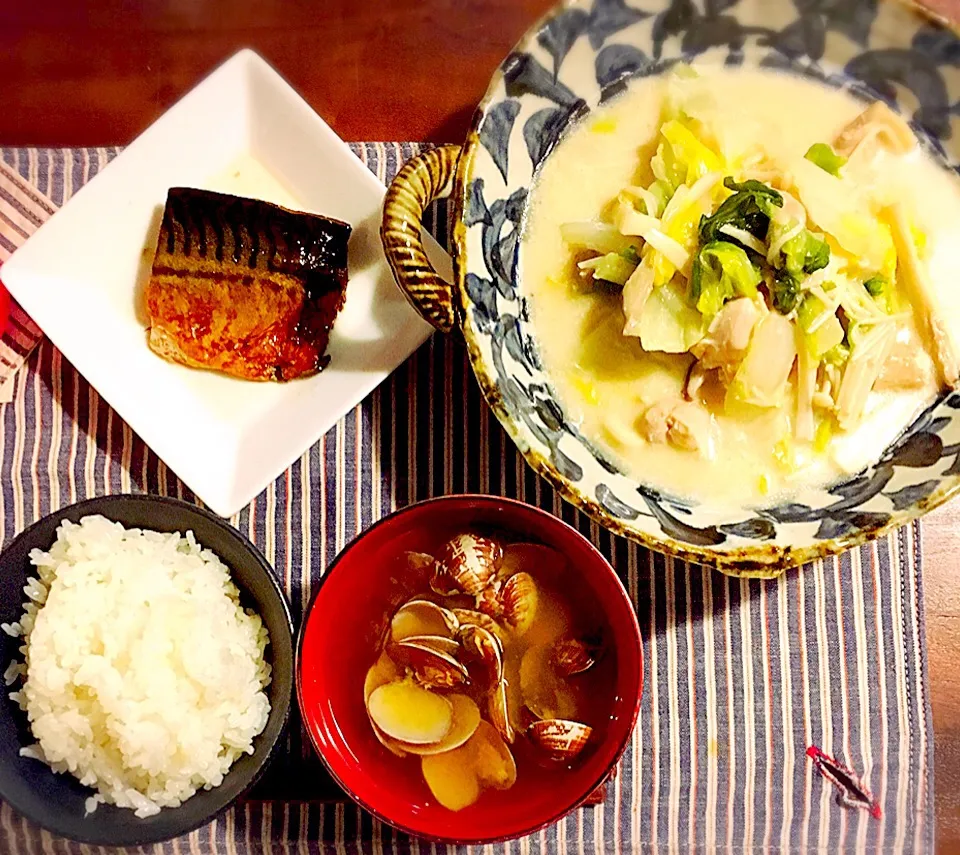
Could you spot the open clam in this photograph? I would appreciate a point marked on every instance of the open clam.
(469, 562)
(519, 599)
(573, 656)
(472, 617)
(418, 617)
(498, 711)
(560, 739)
(489, 603)
(483, 646)
(466, 719)
(439, 643)
(442, 584)
(407, 712)
(383, 671)
(433, 668)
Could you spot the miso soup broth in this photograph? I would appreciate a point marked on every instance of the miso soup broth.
(759, 281)
(493, 671)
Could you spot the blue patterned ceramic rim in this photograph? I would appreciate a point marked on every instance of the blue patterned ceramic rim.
(584, 53)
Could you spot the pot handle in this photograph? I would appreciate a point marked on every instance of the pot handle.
(423, 179)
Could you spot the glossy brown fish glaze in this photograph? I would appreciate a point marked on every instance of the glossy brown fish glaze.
(245, 287)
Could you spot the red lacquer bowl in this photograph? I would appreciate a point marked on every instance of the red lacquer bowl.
(338, 643)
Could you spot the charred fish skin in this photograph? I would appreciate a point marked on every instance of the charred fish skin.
(244, 286)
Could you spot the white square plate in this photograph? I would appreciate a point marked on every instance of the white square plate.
(242, 130)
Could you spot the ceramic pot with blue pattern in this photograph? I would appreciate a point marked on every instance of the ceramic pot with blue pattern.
(576, 58)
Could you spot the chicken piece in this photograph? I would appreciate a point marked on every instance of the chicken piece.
(697, 375)
(245, 287)
(682, 424)
(761, 380)
(926, 306)
(908, 365)
(636, 292)
(727, 339)
(877, 122)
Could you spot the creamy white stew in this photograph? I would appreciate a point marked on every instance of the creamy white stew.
(741, 283)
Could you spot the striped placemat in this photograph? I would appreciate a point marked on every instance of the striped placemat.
(741, 677)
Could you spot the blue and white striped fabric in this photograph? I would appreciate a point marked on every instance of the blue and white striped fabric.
(740, 676)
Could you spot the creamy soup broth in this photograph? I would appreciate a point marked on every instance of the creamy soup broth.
(604, 379)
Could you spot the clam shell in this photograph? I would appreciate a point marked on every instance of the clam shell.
(559, 738)
(470, 562)
(574, 656)
(466, 719)
(390, 744)
(498, 711)
(519, 599)
(470, 617)
(418, 617)
(383, 671)
(420, 561)
(404, 711)
(442, 584)
(439, 643)
(489, 603)
(483, 646)
(433, 668)
(527, 718)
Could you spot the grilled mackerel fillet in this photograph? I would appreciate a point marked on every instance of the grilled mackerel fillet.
(245, 287)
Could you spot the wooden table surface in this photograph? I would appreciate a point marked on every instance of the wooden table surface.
(97, 72)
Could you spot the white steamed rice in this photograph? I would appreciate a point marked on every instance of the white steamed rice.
(143, 675)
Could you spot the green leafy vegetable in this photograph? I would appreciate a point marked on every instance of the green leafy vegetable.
(631, 255)
(669, 171)
(661, 194)
(825, 337)
(614, 267)
(837, 355)
(826, 158)
(805, 253)
(823, 435)
(800, 256)
(669, 323)
(810, 310)
(696, 157)
(881, 289)
(785, 291)
(822, 328)
(721, 271)
(749, 208)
